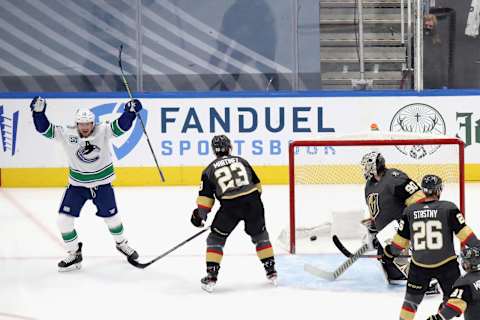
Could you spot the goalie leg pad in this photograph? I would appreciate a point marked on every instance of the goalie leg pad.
(69, 234)
(394, 270)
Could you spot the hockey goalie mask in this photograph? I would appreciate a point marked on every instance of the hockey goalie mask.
(373, 163)
(471, 259)
(85, 121)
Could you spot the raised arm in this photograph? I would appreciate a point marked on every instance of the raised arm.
(125, 121)
(38, 107)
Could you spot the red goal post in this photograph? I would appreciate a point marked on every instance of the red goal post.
(449, 165)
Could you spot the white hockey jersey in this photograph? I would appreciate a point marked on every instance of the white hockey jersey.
(89, 159)
(473, 20)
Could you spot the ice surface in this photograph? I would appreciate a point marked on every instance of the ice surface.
(155, 220)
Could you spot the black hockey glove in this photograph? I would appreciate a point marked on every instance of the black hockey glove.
(133, 106)
(435, 317)
(38, 104)
(196, 219)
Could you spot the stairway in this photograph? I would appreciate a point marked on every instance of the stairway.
(385, 54)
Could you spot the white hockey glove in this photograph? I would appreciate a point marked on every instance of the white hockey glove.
(370, 238)
(38, 104)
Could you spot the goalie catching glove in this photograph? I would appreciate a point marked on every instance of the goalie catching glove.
(197, 218)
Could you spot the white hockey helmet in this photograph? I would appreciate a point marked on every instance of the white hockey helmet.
(84, 115)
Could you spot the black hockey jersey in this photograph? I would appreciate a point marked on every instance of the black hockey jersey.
(429, 227)
(387, 198)
(466, 296)
(227, 177)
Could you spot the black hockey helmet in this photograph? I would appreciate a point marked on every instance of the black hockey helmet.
(373, 163)
(432, 185)
(221, 145)
(471, 259)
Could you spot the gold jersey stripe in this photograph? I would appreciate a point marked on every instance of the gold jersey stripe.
(205, 201)
(457, 304)
(240, 194)
(400, 241)
(259, 187)
(463, 234)
(414, 198)
(435, 265)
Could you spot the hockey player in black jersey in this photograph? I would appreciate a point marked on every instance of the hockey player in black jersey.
(465, 296)
(387, 192)
(429, 227)
(235, 184)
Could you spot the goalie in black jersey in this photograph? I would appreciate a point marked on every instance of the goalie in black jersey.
(235, 184)
(429, 227)
(388, 192)
(465, 296)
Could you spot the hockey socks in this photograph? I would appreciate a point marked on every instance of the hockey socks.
(115, 227)
(69, 234)
(410, 306)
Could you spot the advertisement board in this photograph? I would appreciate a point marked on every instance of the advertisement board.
(180, 129)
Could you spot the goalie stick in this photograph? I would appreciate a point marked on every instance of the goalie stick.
(340, 270)
(140, 265)
(348, 254)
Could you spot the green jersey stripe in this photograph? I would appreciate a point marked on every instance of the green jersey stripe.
(91, 172)
(117, 131)
(50, 132)
(92, 177)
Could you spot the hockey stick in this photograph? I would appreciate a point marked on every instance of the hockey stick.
(125, 83)
(340, 270)
(348, 254)
(146, 264)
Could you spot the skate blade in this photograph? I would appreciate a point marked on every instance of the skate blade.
(273, 281)
(73, 267)
(208, 287)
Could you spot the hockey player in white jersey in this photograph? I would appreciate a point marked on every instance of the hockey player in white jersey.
(91, 172)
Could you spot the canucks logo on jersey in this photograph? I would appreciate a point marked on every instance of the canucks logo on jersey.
(88, 153)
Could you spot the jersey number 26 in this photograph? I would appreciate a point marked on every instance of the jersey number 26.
(427, 235)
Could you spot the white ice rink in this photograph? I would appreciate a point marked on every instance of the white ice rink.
(156, 219)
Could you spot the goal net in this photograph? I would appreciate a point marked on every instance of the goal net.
(327, 183)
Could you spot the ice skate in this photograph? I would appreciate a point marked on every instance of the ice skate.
(272, 277)
(73, 261)
(208, 283)
(269, 265)
(128, 251)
